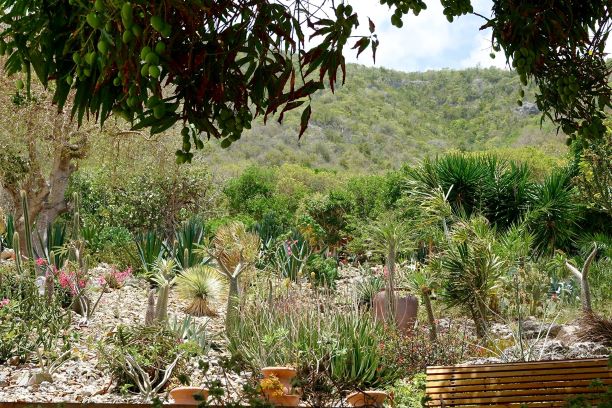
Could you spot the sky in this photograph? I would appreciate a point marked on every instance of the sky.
(428, 41)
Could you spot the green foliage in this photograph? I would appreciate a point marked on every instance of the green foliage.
(55, 239)
(153, 348)
(189, 237)
(410, 393)
(187, 330)
(201, 285)
(7, 235)
(322, 271)
(28, 320)
(344, 352)
(554, 213)
(292, 256)
(151, 247)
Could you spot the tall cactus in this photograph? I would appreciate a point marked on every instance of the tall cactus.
(161, 308)
(76, 217)
(26, 226)
(17, 249)
(150, 314)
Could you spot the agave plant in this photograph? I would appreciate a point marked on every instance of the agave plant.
(201, 285)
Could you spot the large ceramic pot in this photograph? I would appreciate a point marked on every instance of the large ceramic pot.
(186, 395)
(406, 308)
(367, 398)
(284, 375)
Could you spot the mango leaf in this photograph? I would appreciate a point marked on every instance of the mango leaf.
(304, 121)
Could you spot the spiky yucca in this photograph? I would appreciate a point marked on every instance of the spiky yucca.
(201, 284)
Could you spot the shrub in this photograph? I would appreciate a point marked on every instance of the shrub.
(410, 393)
(28, 320)
(152, 348)
(322, 271)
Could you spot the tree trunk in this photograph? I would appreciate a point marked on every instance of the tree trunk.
(433, 330)
(582, 276)
(232, 300)
(390, 298)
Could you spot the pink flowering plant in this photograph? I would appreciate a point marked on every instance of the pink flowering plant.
(115, 278)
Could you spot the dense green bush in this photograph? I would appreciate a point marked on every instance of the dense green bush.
(322, 271)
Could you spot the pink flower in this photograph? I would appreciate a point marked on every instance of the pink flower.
(41, 261)
(101, 280)
(3, 303)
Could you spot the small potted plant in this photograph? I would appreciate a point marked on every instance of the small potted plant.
(276, 386)
(367, 398)
(189, 395)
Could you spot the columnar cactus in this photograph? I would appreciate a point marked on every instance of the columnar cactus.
(26, 226)
(17, 249)
(150, 314)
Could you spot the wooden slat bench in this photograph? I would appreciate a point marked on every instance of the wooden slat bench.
(541, 384)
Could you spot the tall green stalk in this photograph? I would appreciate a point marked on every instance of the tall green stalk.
(27, 227)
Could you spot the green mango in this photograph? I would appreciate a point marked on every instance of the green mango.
(154, 71)
(126, 15)
(152, 58)
(225, 143)
(102, 46)
(159, 111)
(94, 21)
(157, 23)
(137, 30)
(127, 36)
(90, 57)
(144, 52)
(99, 5)
(160, 48)
(144, 70)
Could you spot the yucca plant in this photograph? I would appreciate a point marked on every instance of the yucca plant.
(506, 190)
(553, 214)
(471, 270)
(201, 285)
(461, 175)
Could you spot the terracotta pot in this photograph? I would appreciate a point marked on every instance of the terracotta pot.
(185, 395)
(284, 400)
(406, 308)
(284, 375)
(367, 398)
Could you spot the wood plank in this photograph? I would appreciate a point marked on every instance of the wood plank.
(529, 363)
(524, 398)
(517, 366)
(534, 404)
(521, 379)
(513, 386)
(568, 371)
(508, 393)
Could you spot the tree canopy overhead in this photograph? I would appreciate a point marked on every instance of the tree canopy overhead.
(215, 65)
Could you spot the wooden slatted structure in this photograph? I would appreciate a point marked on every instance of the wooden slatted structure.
(541, 384)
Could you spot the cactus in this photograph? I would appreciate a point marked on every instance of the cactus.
(76, 218)
(17, 249)
(186, 259)
(49, 287)
(27, 227)
(150, 315)
(161, 308)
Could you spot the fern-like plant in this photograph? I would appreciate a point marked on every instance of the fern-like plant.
(202, 285)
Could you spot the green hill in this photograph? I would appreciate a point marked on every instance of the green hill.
(381, 118)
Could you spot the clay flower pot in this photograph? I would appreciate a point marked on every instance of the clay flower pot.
(284, 375)
(284, 400)
(185, 395)
(367, 398)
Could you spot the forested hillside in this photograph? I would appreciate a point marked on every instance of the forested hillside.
(382, 118)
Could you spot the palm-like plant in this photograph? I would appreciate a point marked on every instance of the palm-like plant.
(471, 270)
(423, 282)
(553, 214)
(201, 285)
(235, 251)
(389, 236)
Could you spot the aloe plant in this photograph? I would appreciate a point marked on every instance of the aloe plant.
(151, 248)
(188, 238)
